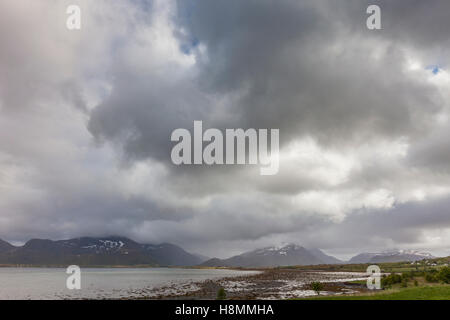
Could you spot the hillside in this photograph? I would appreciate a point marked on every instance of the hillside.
(391, 256)
(88, 251)
(288, 255)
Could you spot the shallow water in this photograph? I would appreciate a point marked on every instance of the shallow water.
(102, 283)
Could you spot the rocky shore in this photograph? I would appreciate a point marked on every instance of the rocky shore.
(268, 284)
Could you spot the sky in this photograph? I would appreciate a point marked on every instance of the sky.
(86, 117)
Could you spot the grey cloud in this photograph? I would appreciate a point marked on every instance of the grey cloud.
(309, 68)
(432, 152)
(302, 70)
(304, 67)
(142, 112)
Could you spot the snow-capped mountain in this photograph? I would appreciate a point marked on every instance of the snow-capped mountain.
(327, 259)
(95, 251)
(172, 255)
(286, 255)
(391, 256)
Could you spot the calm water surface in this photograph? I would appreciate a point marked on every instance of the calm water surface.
(104, 283)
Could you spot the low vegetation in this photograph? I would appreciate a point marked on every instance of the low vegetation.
(430, 284)
(437, 292)
(317, 287)
(221, 294)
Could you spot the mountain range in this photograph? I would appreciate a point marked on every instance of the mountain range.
(121, 251)
(287, 255)
(88, 251)
(391, 256)
(292, 254)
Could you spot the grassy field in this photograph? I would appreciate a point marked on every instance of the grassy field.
(410, 288)
(385, 267)
(420, 280)
(437, 292)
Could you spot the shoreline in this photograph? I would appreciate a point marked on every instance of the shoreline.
(249, 284)
(267, 284)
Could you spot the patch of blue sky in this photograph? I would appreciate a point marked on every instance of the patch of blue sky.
(187, 47)
(435, 69)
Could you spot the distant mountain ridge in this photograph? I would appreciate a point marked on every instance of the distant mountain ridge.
(89, 251)
(327, 259)
(5, 246)
(292, 254)
(121, 251)
(391, 256)
(287, 255)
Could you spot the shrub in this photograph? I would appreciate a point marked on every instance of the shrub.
(391, 279)
(404, 283)
(221, 294)
(444, 275)
(317, 287)
(431, 276)
(416, 283)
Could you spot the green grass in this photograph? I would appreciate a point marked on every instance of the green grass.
(363, 282)
(438, 292)
(387, 267)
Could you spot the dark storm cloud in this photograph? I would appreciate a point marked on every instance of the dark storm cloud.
(310, 68)
(362, 128)
(405, 226)
(432, 152)
(142, 112)
(306, 67)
